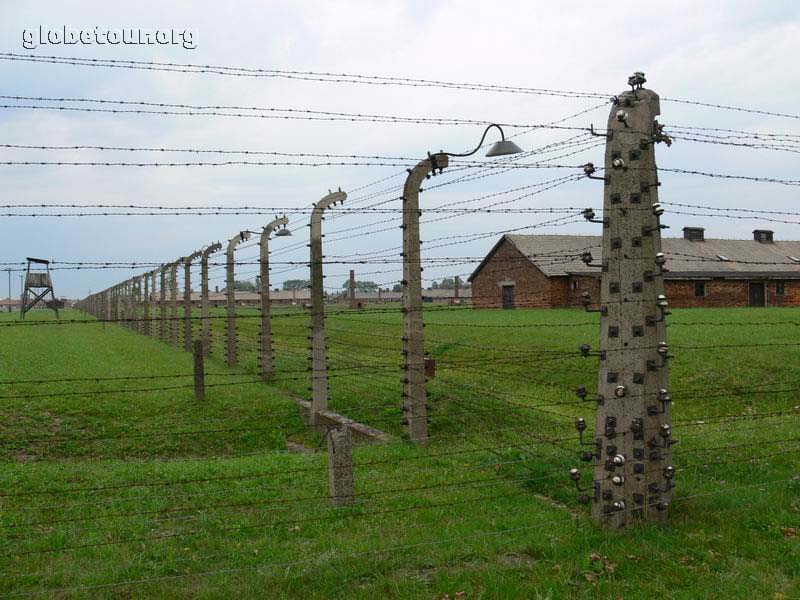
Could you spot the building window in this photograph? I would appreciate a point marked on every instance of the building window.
(574, 284)
(780, 288)
(700, 288)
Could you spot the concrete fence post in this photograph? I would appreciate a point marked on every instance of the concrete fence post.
(120, 304)
(162, 304)
(205, 312)
(106, 305)
(173, 302)
(136, 321)
(340, 465)
(231, 346)
(319, 367)
(153, 302)
(633, 474)
(414, 395)
(118, 316)
(187, 300)
(127, 304)
(265, 334)
(146, 303)
(199, 370)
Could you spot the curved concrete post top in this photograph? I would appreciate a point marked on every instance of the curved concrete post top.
(236, 240)
(215, 247)
(316, 215)
(418, 174)
(272, 226)
(329, 200)
(188, 259)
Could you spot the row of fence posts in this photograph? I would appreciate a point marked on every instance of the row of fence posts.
(135, 302)
(633, 475)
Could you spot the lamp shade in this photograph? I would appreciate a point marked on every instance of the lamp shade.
(283, 232)
(503, 147)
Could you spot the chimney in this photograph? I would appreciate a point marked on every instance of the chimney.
(694, 234)
(763, 235)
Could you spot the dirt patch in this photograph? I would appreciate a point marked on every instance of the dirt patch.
(517, 559)
(298, 448)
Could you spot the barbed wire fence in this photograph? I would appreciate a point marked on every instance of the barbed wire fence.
(472, 408)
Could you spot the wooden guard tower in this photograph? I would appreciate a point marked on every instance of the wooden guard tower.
(38, 284)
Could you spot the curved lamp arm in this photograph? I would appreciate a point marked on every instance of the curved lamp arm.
(483, 137)
(500, 148)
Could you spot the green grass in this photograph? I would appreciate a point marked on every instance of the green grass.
(231, 513)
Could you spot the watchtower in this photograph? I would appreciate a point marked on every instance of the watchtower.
(38, 284)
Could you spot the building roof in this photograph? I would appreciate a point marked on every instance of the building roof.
(559, 255)
(446, 293)
(428, 293)
(304, 294)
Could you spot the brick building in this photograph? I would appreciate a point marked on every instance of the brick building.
(547, 271)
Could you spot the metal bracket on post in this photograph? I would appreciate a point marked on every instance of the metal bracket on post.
(319, 368)
(608, 135)
(589, 170)
(414, 394)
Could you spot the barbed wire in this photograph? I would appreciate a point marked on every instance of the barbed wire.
(379, 80)
(329, 77)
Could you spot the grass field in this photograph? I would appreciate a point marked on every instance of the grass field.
(151, 493)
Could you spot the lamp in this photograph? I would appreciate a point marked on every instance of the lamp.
(282, 232)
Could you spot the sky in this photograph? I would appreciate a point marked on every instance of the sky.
(733, 53)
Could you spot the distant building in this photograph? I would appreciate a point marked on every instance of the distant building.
(5, 303)
(446, 296)
(546, 271)
(254, 298)
(16, 302)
